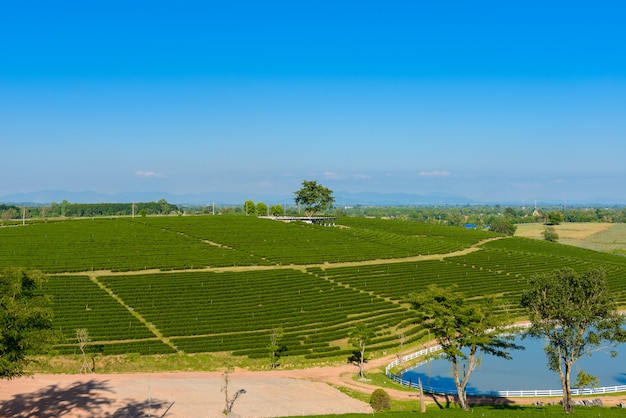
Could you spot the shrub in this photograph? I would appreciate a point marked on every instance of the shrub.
(380, 401)
(550, 234)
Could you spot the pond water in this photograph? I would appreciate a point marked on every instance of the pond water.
(527, 370)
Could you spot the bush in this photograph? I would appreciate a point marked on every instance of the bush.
(380, 401)
(550, 234)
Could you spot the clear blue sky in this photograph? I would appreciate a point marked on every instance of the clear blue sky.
(492, 100)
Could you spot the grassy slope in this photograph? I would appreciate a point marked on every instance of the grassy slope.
(609, 238)
(278, 246)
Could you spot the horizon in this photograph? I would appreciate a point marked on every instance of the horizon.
(490, 103)
(342, 200)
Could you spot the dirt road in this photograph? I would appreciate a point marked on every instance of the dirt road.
(275, 393)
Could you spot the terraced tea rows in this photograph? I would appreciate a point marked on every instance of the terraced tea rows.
(524, 258)
(226, 281)
(298, 243)
(233, 311)
(109, 244)
(79, 297)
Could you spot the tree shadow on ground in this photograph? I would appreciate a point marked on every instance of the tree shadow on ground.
(139, 409)
(446, 401)
(89, 397)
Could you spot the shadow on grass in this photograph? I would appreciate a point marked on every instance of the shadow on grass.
(492, 402)
(83, 397)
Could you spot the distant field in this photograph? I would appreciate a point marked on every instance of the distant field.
(604, 237)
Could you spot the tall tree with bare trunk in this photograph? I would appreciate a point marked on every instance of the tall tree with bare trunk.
(577, 314)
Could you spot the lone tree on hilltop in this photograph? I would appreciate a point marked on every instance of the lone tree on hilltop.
(314, 197)
(459, 323)
(577, 313)
(25, 320)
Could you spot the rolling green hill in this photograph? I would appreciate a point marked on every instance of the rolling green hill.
(162, 285)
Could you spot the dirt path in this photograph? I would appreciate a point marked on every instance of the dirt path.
(301, 267)
(273, 393)
(94, 277)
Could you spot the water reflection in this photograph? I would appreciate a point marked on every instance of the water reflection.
(527, 370)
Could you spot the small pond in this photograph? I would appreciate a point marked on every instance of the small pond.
(527, 370)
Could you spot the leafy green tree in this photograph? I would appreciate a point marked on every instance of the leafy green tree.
(249, 208)
(64, 204)
(25, 320)
(503, 226)
(9, 214)
(550, 234)
(55, 209)
(314, 197)
(458, 324)
(455, 219)
(510, 212)
(276, 210)
(585, 380)
(577, 314)
(261, 209)
(555, 218)
(164, 207)
(276, 334)
(360, 337)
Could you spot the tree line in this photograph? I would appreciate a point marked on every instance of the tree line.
(483, 215)
(77, 210)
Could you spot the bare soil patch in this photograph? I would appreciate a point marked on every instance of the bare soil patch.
(170, 395)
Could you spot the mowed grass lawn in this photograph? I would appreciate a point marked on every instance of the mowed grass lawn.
(511, 411)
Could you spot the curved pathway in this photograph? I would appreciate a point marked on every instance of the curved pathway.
(275, 393)
(301, 267)
(94, 277)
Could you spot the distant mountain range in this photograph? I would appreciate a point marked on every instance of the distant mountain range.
(342, 199)
(227, 198)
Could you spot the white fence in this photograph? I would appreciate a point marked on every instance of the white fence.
(500, 393)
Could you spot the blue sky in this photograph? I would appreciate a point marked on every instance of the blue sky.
(493, 101)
